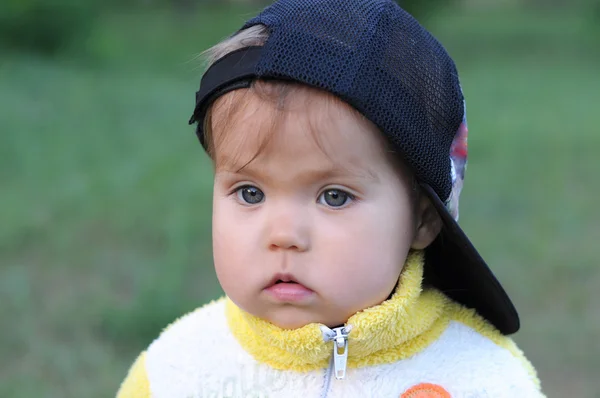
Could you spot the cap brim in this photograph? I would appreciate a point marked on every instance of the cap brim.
(455, 267)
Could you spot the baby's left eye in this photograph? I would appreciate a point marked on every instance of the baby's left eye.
(335, 198)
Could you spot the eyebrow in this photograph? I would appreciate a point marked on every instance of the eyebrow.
(310, 175)
(340, 172)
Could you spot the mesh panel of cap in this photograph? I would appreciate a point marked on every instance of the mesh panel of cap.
(380, 60)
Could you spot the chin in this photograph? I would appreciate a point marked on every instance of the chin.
(294, 318)
(290, 318)
(288, 322)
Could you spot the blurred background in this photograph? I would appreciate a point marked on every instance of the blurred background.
(105, 194)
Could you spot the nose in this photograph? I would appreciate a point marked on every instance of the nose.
(288, 229)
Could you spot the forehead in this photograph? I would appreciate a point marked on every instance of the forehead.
(274, 122)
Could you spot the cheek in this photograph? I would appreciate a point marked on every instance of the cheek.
(377, 231)
(232, 246)
(366, 250)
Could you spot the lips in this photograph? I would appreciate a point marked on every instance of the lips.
(282, 278)
(286, 288)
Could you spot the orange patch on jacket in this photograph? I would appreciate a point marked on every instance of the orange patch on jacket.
(426, 390)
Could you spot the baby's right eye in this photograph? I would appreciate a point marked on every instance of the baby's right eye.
(250, 194)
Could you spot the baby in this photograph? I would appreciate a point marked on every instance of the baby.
(338, 134)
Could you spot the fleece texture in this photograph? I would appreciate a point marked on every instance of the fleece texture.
(416, 344)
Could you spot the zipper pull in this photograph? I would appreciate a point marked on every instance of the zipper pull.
(339, 336)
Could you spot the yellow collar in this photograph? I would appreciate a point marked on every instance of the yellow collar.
(393, 330)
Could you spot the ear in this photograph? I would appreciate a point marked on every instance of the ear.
(429, 224)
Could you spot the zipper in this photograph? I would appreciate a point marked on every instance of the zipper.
(339, 359)
(327, 382)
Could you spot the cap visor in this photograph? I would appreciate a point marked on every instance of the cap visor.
(455, 267)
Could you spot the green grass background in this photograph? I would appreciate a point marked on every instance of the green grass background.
(105, 194)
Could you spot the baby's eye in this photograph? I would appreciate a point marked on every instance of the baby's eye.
(335, 198)
(250, 195)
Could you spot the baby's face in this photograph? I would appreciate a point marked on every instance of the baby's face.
(307, 231)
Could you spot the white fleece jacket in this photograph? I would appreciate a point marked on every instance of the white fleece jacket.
(415, 345)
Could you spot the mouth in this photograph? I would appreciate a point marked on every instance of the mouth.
(283, 278)
(286, 288)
